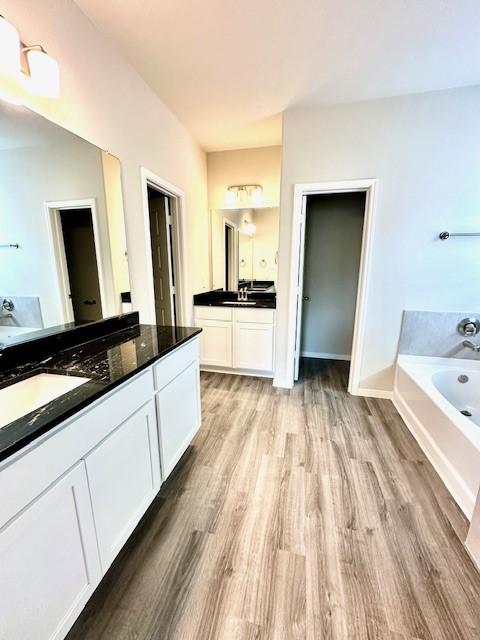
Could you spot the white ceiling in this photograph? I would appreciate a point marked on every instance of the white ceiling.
(228, 68)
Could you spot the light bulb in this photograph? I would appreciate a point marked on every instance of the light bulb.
(256, 195)
(230, 197)
(9, 49)
(44, 74)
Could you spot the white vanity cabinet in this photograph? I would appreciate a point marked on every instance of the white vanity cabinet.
(237, 338)
(71, 500)
(49, 564)
(124, 476)
(216, 340)
(177, 385)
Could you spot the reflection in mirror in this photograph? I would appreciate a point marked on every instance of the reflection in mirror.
(244, 248)
(63, 251)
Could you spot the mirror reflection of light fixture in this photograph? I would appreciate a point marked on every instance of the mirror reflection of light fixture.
(242, 195)
(249, 228)
(9, 49)
(44, 72)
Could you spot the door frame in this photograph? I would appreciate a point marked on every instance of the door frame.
(148, 178)
(233, 267)
(57, 246)
(301, 192)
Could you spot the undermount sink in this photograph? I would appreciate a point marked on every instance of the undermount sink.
(242, 302)
(20, 398)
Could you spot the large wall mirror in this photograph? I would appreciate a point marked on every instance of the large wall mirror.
(63, 251)
(244, 248)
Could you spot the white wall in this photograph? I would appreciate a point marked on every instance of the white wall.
(244, 166)
(30, 177)
(333, 242)
(104, 100)
(425, 152)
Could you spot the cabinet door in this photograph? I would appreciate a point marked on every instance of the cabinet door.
(253, 346)
(49, 562)
(124, 477)
(179, 416)
(215, 343)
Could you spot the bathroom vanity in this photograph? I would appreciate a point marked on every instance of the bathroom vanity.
(78, 473)
(238, 336)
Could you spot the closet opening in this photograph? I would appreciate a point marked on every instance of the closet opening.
(331, 247)
(331, 265)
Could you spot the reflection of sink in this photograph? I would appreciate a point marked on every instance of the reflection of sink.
(27, 395)
(242, 302)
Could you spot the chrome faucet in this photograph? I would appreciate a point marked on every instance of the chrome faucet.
(8, 306)
(471, 345)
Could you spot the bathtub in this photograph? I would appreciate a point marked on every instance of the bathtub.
(430, 395)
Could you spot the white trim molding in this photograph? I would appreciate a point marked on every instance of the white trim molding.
(184, 306)
(301, 191)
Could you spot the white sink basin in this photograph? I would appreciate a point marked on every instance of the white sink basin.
(27, 395)
(241, 302)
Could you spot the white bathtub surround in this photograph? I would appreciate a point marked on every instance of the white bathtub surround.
(473, 538)
(434, 333)
(429, 397)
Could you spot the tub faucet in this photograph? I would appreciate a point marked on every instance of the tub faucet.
(471, 345)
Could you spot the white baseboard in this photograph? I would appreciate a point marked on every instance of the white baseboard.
(439, 462)
(236, 372)
(326, 356)
(373, 393)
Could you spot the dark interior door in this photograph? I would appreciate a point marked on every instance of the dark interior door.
(157, 205)
(79, 242)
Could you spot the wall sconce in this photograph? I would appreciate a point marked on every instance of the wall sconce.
(244, 195)
(42, 76)
(44, 72)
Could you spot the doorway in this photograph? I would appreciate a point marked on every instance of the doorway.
(332, 250)
(230, 239)
(160, 207)
(295, 307)
(81, 260)
(78, 259)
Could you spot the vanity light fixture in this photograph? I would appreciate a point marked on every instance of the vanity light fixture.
(41, 77)
(44, 77)
(244, 195)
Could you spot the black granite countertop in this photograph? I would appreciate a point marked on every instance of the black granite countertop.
(221, 298)
(107, 361)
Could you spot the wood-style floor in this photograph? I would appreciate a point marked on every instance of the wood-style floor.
(296, 514)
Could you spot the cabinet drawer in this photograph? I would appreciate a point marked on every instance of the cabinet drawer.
(259, 316)
(174, 363)
(213, 313)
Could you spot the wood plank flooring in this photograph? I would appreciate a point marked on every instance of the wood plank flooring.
(304, 514)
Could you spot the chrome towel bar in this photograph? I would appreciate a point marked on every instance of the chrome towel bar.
(445, 235)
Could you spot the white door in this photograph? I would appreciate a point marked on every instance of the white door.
(49, 564)
(179, 416)
(215, 343)
(124, 477)
(301, 260)
(253, 346)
